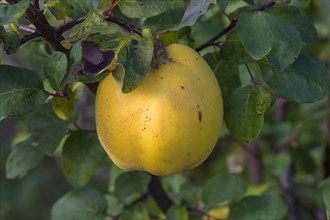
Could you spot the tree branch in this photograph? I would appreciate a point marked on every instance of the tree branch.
(30, 37)
(48, 32)
(287, 176)
(254, 163)
(131, 28)
(158, 193)
(210, 42)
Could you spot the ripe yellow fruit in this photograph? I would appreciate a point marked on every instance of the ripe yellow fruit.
(169, 123)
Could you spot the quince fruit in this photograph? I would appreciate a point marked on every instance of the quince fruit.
(169, 123)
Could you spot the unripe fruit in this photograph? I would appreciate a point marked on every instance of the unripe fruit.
(169, 123)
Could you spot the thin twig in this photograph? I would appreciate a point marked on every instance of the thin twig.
(250, 73)
(124, 24)
(144, 196)
(232, 24)
(30, 37)
(69, 24)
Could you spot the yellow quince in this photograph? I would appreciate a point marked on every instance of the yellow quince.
(169, 123)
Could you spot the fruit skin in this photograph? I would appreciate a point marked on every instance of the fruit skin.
(170, 123)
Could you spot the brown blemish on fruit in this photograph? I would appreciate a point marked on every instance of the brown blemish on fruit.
(182, 87)
(200, 116)
(161, 77)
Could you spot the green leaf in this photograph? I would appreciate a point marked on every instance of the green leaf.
(47, 132)
(82, 155)
(11, 13)
(23, 157)
(299, 2)
(172, 186)
(131, 183)
(64, 107)
(145, 8)
(114, 206)
(21, 91)
(263, 34)
(94, 23)
(172, 18)
(233, 49)
(3, 36)
(194, 10)
(86, 78)
(302, 23)
(244, 112)
(137, 212)
(223, 187)
(59, 8)
(75, 56)
(177, 212)
(326, 196)
(302, 160)
(80, 8)
(136, 58)
(308, 81)
(14, 42)
(54, 69)
(114, 173)
(190, 192)
(84, 204)
(227, 73)
(270, 207)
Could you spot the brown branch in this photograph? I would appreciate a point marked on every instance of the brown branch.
(210, 42)
(48, 32)
(30, 37)
(254, 164)
(287, 180)
(158, 193)
(131, 28)
(70, 24)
